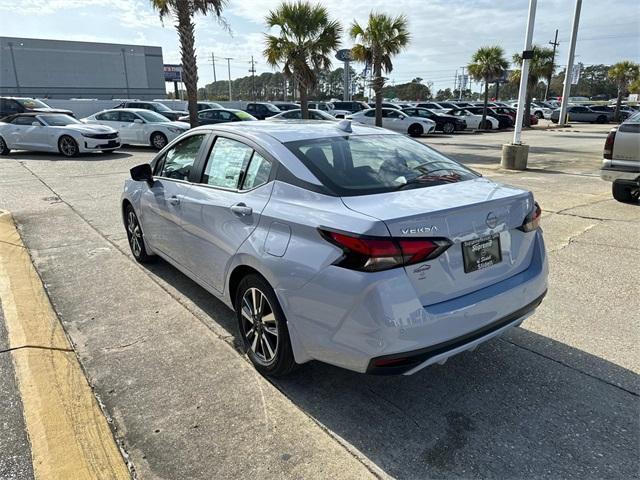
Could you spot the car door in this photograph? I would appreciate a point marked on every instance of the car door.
(223, 209)
(130, 130)
(161, 202)
(110, 118)
(23, 134)
(394, 120)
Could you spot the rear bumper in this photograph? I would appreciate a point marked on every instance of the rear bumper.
(619, 172)
(349, 319)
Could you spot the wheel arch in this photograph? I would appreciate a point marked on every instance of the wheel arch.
(236, 276)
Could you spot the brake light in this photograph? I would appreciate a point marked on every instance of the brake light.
(372, 254)
(532, 220)
(608, 144)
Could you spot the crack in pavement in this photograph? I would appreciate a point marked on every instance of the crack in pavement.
(572, 238)
(40, 347)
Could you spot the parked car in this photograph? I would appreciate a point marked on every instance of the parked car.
(621, 160)
(350, 106)
(504, 121)
(220, 115)
(625, 112)
(396, 120)
(138, 126)
(54, 132)
(450, 105)
(474, 121)
(579, 113)
(329, 108)
(444, 123)
(537, 110)
(157, 107)
(430, 105)
(385, 105)
(208, 105)
(512, 113)
(340, 242)
(297, 115)
(284, 106)
(262, 110)
(13, 105)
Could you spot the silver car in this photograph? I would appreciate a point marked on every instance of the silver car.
(342, 243)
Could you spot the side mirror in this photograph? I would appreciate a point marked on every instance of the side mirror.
(142, 173)
(36, 124)
(138, 120)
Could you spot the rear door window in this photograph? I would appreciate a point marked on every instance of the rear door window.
(226, 162)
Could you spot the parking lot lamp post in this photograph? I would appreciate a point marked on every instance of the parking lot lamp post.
(514, 155)
(566, 89)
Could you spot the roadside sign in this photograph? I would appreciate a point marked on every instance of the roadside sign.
(344, 55)
(172, 73)
(575, 73)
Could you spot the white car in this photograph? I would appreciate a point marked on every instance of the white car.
(473, 120)
(621, 160)
(55, 132)
(539, 111)
(397, 120)
(297, 115)
(138, 126)
(330, 109)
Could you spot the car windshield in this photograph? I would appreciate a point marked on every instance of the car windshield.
(31, 103)
(58, 120)
(271, 108)
(367, 164)
(152, 117)
(161, 107)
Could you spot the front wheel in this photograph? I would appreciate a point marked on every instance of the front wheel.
(4, 150)
(68, 146)
(539, 115)
(263, 327)
(158, 140)
(625, 193)
(486, 125)
(415, 130)
(601, 119)
(448, 127)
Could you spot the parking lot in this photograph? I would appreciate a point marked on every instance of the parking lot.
(556, 398)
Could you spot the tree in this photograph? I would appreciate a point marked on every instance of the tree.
(540, 67)
(623, 73)
(307, 39)
(487, 64)
(382, 38)
(184, 11)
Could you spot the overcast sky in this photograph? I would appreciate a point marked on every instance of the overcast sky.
(445, 33)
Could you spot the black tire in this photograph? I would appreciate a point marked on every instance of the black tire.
(415, 130)
(68, 147)
(448, 128)
(158, 140)
(259, 334)
(4, 150)
(624, 192)
(135, 236)
(601, 119)
(485, 125)
(539, 115)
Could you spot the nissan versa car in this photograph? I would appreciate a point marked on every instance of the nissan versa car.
(348, 244)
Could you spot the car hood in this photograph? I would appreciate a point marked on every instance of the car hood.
(182, 125)
(90, 128)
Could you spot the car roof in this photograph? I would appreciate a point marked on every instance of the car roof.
(291, 132)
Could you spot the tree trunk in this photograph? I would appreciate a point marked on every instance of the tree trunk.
(186, 35)
(616, 115)
(483, 124)
(527, 110)
(378, 83)
(304, 101)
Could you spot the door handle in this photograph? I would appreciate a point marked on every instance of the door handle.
(241, 209)
(174, 201)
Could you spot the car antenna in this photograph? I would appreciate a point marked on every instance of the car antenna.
(345, 125)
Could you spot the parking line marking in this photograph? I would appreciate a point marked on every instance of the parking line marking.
(69, 435)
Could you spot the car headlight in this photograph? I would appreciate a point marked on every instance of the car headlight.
(89, 135)
(176, 129)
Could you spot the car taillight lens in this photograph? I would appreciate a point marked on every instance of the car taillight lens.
(608, 145)
(532, 220)
(372, 254)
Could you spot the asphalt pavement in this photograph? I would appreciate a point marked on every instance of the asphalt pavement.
(556, 398)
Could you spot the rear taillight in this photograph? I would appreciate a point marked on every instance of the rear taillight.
(372, 254)
(532, 220)
(608, 145)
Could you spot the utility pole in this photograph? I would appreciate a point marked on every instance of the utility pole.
(228, 59)
(455, 82)
(463, 83)
(553, 61)
(566, 90)
(252, 71)
(213, 64)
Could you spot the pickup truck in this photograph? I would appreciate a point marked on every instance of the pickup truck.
(621, 160)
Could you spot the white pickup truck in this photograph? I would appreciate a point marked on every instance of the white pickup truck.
(621, 160)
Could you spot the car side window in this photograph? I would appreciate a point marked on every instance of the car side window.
(224, 115)
(24, 120)
(257, 172)
(370, 113)
(127, 117)
(392, 113)
(180, 158)
(109, 116)
(9, 107)
(225, 163)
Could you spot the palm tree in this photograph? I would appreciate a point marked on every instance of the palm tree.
(487, 64)
(379, 40)
(540, 66)
(306, 40)
(623, 73)
(184, 11)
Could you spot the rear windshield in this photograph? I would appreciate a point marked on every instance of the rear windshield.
(367, 164)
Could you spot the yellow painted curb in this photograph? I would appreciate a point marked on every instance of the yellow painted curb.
(69, 435)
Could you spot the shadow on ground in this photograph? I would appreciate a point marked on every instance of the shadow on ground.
(503, 411)
(90, 157)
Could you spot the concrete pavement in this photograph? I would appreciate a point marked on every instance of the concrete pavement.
(556, 398)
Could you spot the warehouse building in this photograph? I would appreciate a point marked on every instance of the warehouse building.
(63, 69)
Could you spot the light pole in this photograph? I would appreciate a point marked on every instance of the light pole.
(555, 44)
(228, 59)
(514, 155)
(566, 90)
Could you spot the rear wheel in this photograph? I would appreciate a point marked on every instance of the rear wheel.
(136, 237)
(158, 140)
(415, 130)
(625, 192)
(539, 115)
(263, 327)
(448, 127)
(67, 146)
(601, 119)
(485, 125)
(4, 150)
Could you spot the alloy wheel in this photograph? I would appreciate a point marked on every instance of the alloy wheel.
(159, 141)
(68, 146)
(259, 326)
(134, 234)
